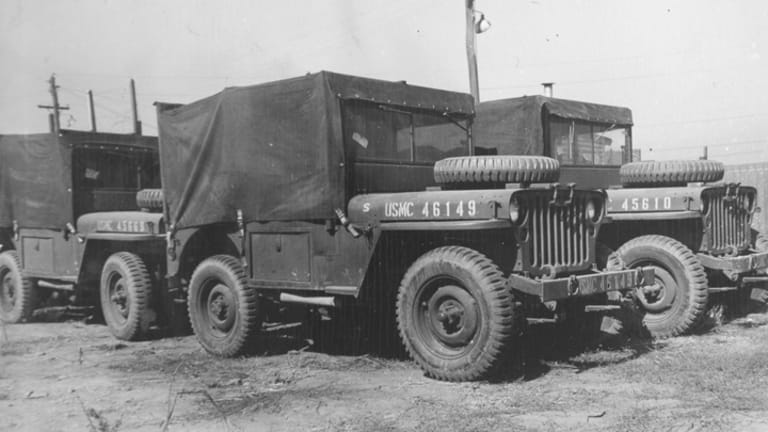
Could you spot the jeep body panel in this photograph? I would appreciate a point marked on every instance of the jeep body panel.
(121, 225)
(306, 256)
(637, 204)
(49, 254)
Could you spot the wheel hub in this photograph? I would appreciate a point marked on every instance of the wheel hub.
(8, 299)
(221, 306)
(659, 296)
(452, 316)
(119, 297)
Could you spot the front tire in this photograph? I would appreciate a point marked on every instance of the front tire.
(17, 293)
(224, 313)
(125, 291)
(678, 299)
(455, 315)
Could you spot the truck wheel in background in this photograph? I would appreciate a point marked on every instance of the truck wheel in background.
(456, 317)
(678, 299)
(18, 294)
(125, 293)
(224, 313)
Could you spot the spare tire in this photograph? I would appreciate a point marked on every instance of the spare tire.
(670, 173)
(496, 170)
(150, 199)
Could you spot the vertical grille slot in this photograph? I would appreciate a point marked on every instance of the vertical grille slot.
(558, 235)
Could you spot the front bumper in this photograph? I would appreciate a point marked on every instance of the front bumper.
(583, 285)
(738, 264)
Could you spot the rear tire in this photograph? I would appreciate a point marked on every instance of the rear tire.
(679, 299)
(225, 314)
(125, 291)
(18, 294)
(456, 317)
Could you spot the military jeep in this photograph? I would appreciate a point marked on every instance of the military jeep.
(67, 202)
(676, 216)
(333, 191)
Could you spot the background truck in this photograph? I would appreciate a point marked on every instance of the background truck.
(324, 191)
(67, 202)
(676, 216)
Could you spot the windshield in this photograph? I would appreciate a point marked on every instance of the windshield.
(383, 133)
(577, 142)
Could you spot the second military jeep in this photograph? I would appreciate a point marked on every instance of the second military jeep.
(676, 216)
(67, 201)
(330, 190)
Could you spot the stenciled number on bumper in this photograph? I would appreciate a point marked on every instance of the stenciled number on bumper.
(646, 203)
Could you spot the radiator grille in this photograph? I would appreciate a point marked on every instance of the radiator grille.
(728, 227)
(559, 235)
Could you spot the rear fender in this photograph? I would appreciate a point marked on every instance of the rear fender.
(193, 245)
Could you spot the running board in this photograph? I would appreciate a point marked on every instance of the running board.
(714, 290)
(534, 321)
(51, 285)
(601, 308)
(315, 301)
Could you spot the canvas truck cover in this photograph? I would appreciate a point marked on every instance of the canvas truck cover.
(36, 174)
(274, 151)
(515, 125)
(34, 181)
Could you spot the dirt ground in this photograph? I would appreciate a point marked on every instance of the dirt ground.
(77, 377)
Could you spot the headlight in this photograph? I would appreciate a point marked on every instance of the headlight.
(593, 211)
(704, 206)
(515, 212)
(747, 203)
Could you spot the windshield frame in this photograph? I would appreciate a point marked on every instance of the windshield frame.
(462, 122)
(551, 148)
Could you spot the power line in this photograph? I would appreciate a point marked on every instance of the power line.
(703, 120)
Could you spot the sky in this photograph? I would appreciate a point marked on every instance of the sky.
(694, 72)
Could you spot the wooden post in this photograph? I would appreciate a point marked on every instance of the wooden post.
(471, 42)
(134, 109)
(92, 111)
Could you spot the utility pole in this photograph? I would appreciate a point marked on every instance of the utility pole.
(134, 110)
(92, 111)
(473, 28)
(471, 42)
(55, 107)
